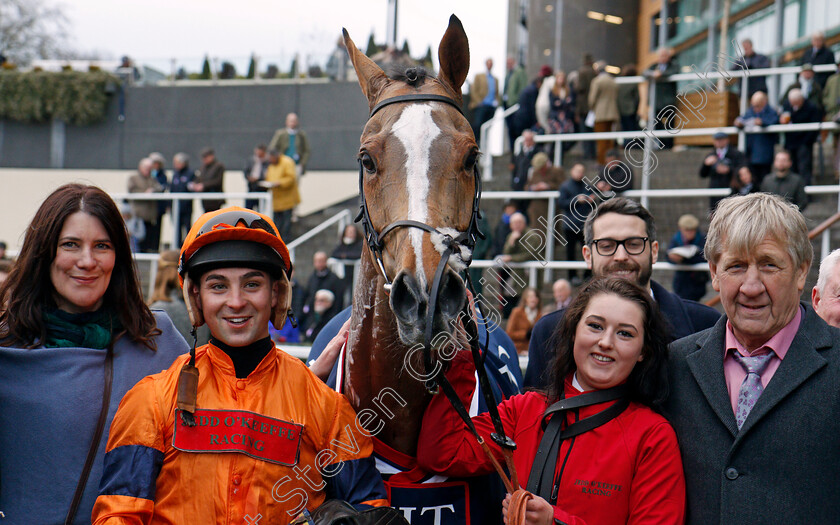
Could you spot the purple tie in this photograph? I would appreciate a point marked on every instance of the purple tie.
(751, 388)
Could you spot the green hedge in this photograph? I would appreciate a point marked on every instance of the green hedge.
(71, 96)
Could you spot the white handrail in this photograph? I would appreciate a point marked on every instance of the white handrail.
(343, 218)
(487, 160)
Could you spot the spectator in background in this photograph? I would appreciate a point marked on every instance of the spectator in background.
(339, 62)
(831, 105)
(744, 183)
(3, 250)
(159, 174)
(628, 101)
(5, 269)
(526, 115)
(522, 319)
(721, 165)
(513, 280)
(818, 54)
(617, 176)
(292, 142)
(585, 76)
(143, 182)
(784, 183)
(348, 252)
(562, 292)
(254, 172)
(760, 146)
(603, 100)
(686, 247)
(522, 166)
(543, 177)
(280, 177)
(209, 179)
(561, 108)
(321, 279)
(806, 83)
(322, 312)
(574, 194)
(135, 227)
(182, 176)
(484, 97)
(665, 91)
(752, 60)
(167, 297)
(503, 227)
(825, 297)
(515, 81)
(800, 144)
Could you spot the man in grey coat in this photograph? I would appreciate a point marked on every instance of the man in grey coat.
(754, 399)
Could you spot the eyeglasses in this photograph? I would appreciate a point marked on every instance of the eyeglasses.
(632, 245)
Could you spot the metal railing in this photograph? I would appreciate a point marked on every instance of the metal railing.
(342, 218)
(487, 159)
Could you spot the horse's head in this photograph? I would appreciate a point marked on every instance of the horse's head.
(417, 163)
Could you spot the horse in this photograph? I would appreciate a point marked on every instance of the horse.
(417, 168)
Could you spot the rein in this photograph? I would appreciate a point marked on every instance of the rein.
(438, 381)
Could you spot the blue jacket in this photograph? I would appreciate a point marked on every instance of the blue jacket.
(50, 399)
(760, 145)
(685, 317)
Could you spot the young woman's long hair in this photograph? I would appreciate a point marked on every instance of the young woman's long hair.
(29, 289)
(648, 382)
(166, 279)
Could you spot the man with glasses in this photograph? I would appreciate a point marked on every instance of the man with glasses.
(619, 241)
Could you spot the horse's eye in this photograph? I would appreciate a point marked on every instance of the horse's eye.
(469, 162)
(367, 163)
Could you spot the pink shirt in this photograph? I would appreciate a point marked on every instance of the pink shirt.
(779, 344)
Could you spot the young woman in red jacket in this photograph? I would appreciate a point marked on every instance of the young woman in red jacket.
(592, 448)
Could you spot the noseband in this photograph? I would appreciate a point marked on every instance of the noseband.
(376, 240)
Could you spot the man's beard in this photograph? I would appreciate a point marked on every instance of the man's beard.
(642, 274)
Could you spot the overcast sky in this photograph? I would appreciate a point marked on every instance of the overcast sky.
(155, 31)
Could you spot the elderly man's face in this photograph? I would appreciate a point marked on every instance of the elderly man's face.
(517, 223)
(634, 268)
(759, 290)
(806, 74)
(528, 139)
(827, 302)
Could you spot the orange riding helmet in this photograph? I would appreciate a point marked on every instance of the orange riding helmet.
(234, 237)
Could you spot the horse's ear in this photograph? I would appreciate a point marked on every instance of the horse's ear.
(371, 77)
(454, 56)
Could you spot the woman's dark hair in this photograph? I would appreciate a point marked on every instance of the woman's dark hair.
(28, 289)
(648, 382)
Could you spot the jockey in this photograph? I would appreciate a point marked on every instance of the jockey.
(238, 430)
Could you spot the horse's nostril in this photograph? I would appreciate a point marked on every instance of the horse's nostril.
(452, 296)
(406, 299)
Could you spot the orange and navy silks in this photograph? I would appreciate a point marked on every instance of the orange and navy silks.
(252, 453)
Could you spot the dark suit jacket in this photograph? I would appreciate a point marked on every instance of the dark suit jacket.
(822, 56)
(784, 463)
(685, 317)
(732, 158)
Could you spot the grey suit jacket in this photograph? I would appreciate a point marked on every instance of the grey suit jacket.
(783, 466)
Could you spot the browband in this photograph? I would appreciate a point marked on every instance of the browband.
(415, 98)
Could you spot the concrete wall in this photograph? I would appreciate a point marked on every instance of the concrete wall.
(169, 119)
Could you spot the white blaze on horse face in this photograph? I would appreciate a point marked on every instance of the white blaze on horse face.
(416, 130)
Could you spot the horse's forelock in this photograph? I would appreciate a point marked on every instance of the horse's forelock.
(413, 76)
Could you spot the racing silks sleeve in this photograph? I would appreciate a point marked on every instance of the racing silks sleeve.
(351, 473)
(133, 459)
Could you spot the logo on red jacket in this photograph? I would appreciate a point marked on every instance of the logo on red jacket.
(255, 435)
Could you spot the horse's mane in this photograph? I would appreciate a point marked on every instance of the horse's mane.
(413, 76)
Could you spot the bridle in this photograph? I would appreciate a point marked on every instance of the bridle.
(375, 241)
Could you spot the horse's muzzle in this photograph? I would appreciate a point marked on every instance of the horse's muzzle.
(410, 304)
